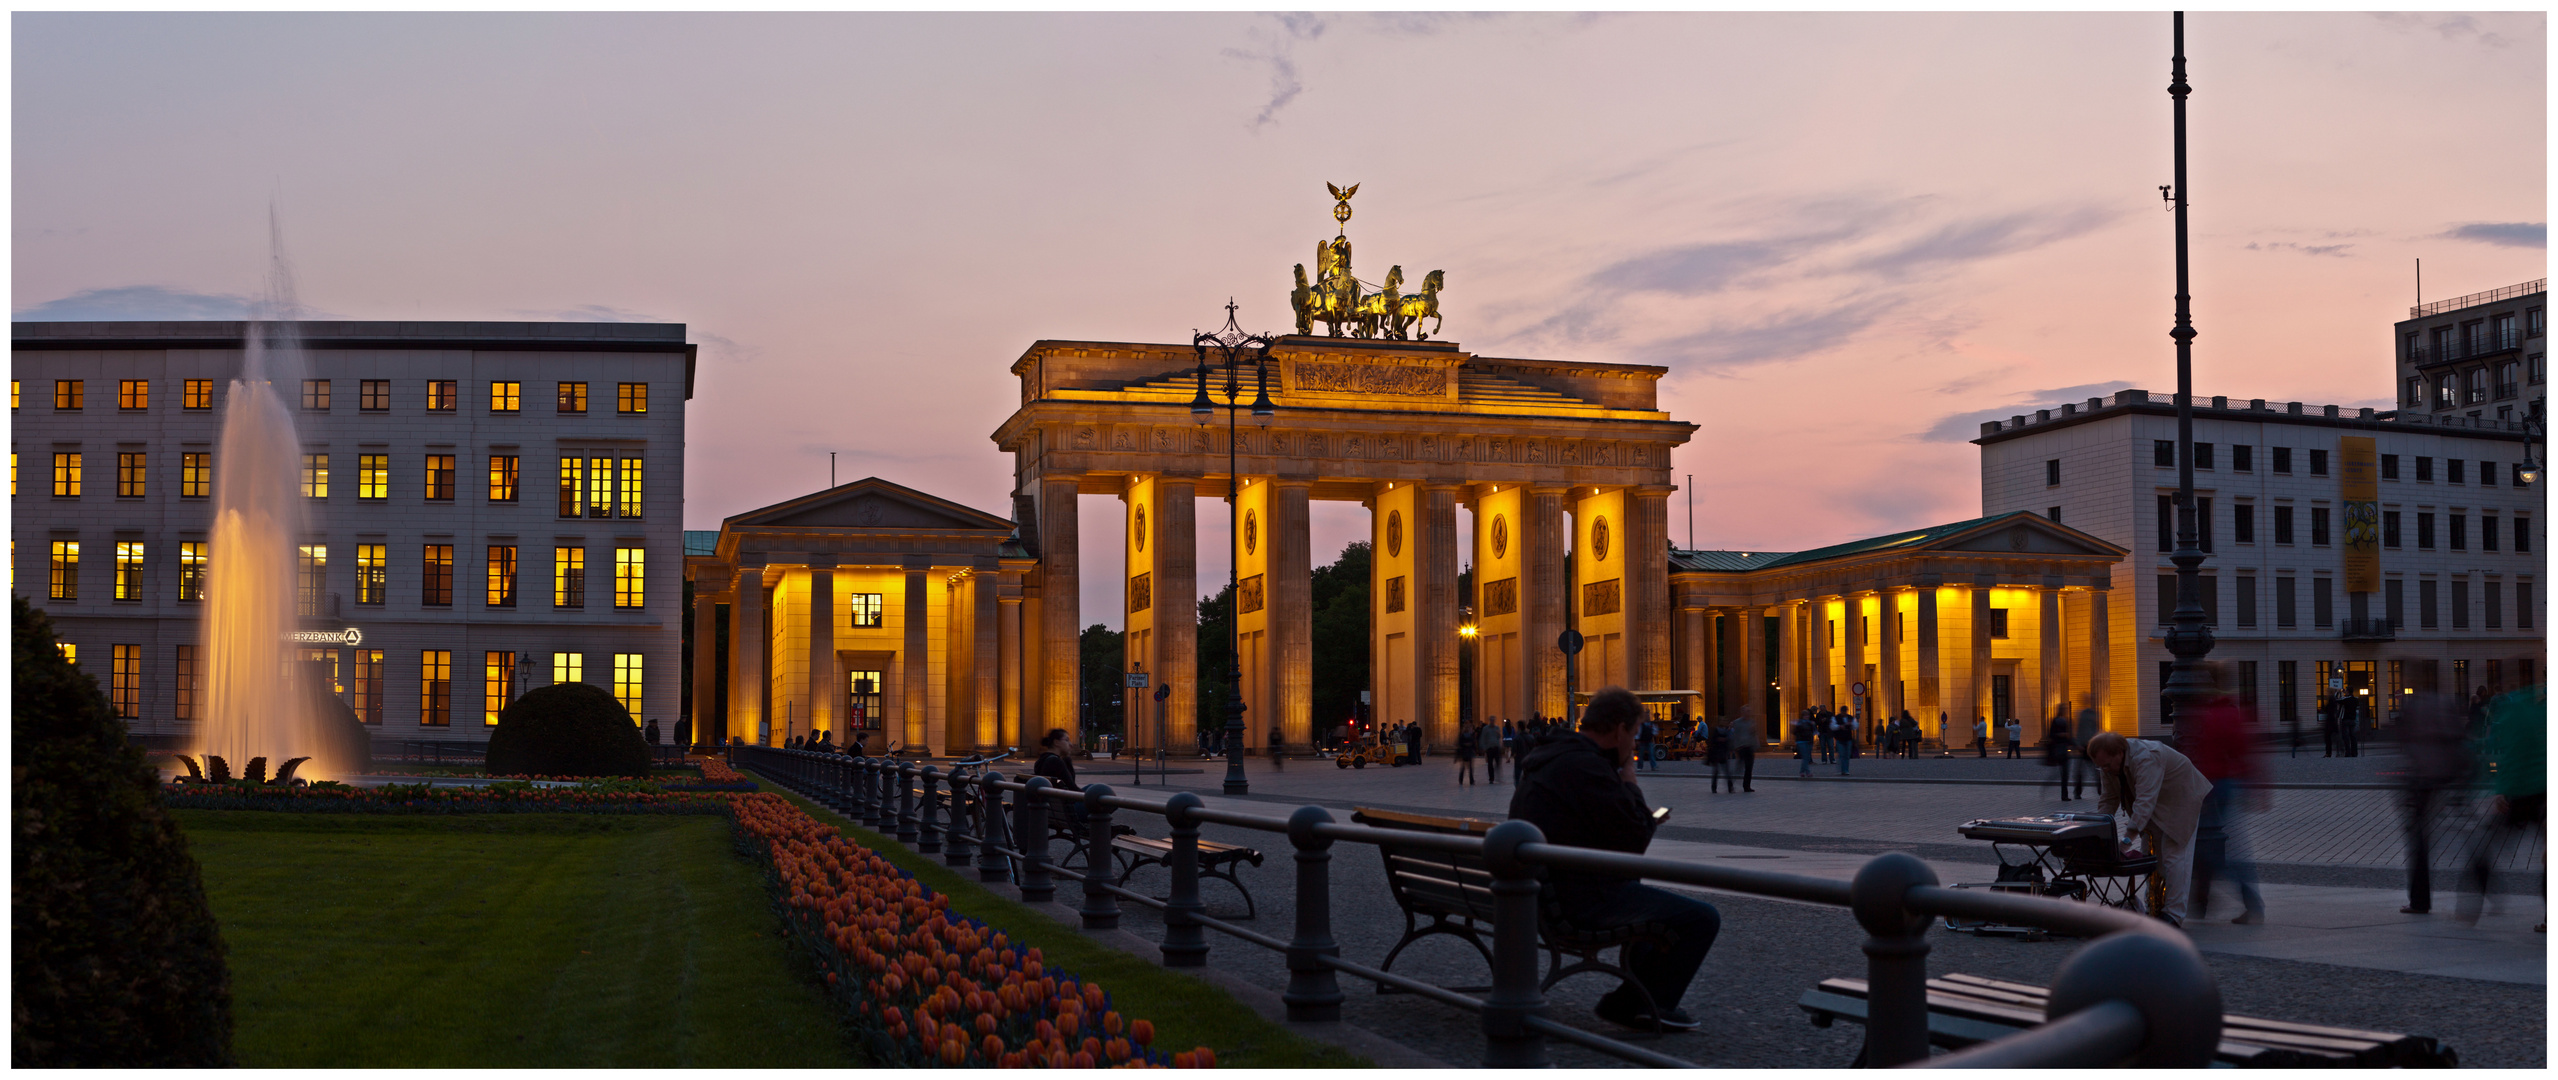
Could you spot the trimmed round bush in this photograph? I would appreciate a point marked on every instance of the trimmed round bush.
(117, 959)
(567, 729)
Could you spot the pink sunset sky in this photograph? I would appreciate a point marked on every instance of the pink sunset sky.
(1848, 237)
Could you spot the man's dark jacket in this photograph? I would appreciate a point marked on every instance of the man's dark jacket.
(1569, 788)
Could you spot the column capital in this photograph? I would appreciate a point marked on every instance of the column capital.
(822, 563)
(1293, 483)
(1651, 490)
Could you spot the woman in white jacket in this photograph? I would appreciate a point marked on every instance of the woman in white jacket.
(2144, 784)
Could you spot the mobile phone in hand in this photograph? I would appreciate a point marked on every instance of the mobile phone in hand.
(1660, 814)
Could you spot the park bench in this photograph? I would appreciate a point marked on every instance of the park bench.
(1454, 891)
(1215, 861)
(1967, 1009)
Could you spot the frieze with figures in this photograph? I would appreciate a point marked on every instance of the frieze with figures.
(1390, 381)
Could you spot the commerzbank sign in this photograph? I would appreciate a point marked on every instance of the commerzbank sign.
(348, 636)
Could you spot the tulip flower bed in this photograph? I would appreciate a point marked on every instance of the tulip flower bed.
(920, 985)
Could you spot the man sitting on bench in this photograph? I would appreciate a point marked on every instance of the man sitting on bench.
(1579, 788)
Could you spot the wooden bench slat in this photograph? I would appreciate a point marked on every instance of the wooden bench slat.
(2245, 1040)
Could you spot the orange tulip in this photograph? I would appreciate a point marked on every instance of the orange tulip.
(1142, 1032)
(1207, 1058)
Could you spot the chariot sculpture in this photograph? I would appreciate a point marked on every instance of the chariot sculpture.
(1349, 307)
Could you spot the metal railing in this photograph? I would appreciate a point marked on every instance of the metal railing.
(2490, 296)
(2138, 994)
(2369, 629)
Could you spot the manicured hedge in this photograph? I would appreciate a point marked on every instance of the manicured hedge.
(567, 729)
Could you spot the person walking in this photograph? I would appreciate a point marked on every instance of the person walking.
(1981, 735)
(1846, 740)
(1412, 741)
(1465, 756)
(1803, 739)
(2015, 737)
(2056, 751)
(1744, 736)
(1718, 756)
(2433, 735)
(2517, 748)
(1645, 739)
(1822, 732)
(1489, 741)
(2145, 783)
(2349, 726)
(2223, 756)
(2327, 727)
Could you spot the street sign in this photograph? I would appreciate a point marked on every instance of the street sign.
(1363, 697)
(2337, 685)
(1164, 691)
(1137, 680)
(1569, 641)
(1857, 689)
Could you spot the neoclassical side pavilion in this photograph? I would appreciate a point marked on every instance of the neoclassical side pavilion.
(1995, 617)
(1556, 459)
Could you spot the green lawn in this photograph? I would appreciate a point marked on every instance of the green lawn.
(543, 940)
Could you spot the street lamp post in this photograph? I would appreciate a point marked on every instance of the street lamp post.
(1234, 349)
(2189, 637)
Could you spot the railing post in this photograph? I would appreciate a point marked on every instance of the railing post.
(2159, 973)
(1314, 989)
(991, 864)
(1895, 957)
(1508, 1041)
(956, 847)
(1186, 942)
(1030, 835)
(928, 831)
(875, 807)
(1101, 909)
(904, 776)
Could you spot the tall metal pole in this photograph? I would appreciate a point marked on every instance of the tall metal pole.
(2189, 637)
(1232, 343)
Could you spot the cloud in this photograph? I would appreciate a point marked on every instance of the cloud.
(1966, 426)
(145, 303)
(2337, 250)
(1984, 238)
(1690, 270)
(2531, 234)
(2449, 27)
(1784, 337)
(1279, 54)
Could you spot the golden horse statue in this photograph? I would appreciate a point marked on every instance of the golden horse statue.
(1410, 310)
(1377, 310)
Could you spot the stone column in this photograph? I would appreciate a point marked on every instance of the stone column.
(1789, 656)
(1059, 685)
(1176, 606)
(2100, 661)
(746, 681)
(1981, 659)
(1887, 689)
(1008, 689)
(706, 710)
(1753, 680)
(825, 686)
(1691, 673)
(1292, 609)
(1931, 669)
(1434, 623)
(2054, 688)
(984, 653)
(915, 712)
(1541, 664)
(1852, 663)
(1647, 586)
(1818, 689)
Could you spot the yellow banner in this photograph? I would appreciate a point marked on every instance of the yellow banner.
(2360, 479)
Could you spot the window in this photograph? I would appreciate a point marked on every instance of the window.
(2459, 532)
(2389, 528)
(368, 686)
(435, 688)
(2206, 594)
(866, 610)
(2162, 453)
(502, 477)
(194, 559)
(1998, 623)
(439, 478)
(2202, 455)
(2318, 526)
(2054, 513)
(65, 584)
(2424, 469)
(2415, 393)
(438, 588)
(375, 395)
(311, 578)
(131, 472)
(372, 573)
(630, 397)
(373, 476)
(627, 681)
(2487, 530)
(133, 395)
(443, 395)
(2282, 459)
(315, 476)
(70, 651)
(572, 479)
(2425, 532)
(2446, 391)
(631, 486)
(13, 472)
(2486, 474)
(2203, 523)
(2052, 473)
(568, 667)
(2425, 603)
(2322, 602)
(125, 679)
(2495, 597)
(315, 395)
(2247, 683)
(2389, 466)
(128, 570)
(599, 487)
(2522, 534)
(2282, 524)
(2318, 463)
(2246, 601)
(498, 687)
(2460, 603)
(501, 575)
(190, 684)
(2536, 368)
(2393, 596)
(67, 394)
(568, 578)
(506, 397)
(2167, 523)
(2242, 523)
(2477, 379)
(198, 395)
(2522, 605)
(630, 577)
(2287, 689)
(2508, 380)
(572, 397)
(2286, 603)
(195, 476)
(66, 475)
(2535, 323)
(2456, 470)
(2242, 457)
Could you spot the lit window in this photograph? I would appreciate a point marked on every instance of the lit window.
(435, 688)
(373, 476)
(193, 562)
(69, 651)
(368, 686)
(599, 487)
(66, 570)
(439, 478)
(568, 667)
(630, 397)
(13, 472)
(190, 683)
(133, 394)
(442, 395)
(372, 573)
(311, 578)
(13, 395)
(315, 395)
(502, 477)
(125, 680)
(128, 570)
(195, 475)
(572, 478)
(631, 487)
(438, 589)
(572, 397)
(630, 577)
(866, 610)
(506, 396)
(501, 575)
(315, 476)
(499, 688)
(67, 394)
(568, 578)
(627, 679)
(66, 476)
(131, 473)
(198, 394)
(374, 395)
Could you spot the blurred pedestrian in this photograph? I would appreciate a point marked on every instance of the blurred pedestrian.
(1489, 740)
(2223, 756)
(1718, 757)
(1981, 735)
(2349, 725)
(2144, 784)
(1465, 756)
(2433, 732)
(2057, 744)
(1744, 736)
(1847, 740)
(2015, 737)
(1645, 739)
(2517, 752)
(1803, 739)
(1823, 732)
(2327, 726)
